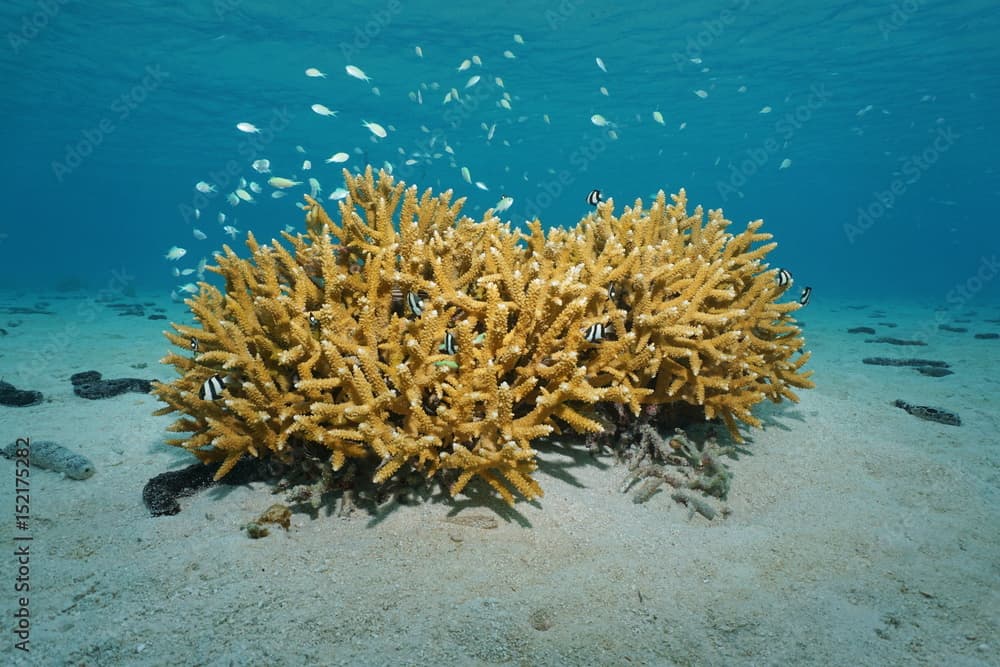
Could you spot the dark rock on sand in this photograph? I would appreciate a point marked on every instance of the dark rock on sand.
(22, 310)
(894, 341)
(18, 398)
(948, 327)
(89, 384)
(884, 361)
(129, 309)
(986, 336)
(934, 371)
(157, 316)
(161, 492)
(864, 330)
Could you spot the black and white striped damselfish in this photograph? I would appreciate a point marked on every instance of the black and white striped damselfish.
(448, 346)
(415, 304)
(211, 389)
(193, 344)
(596, 332)
(783, 278)
(594, 198)
(806, 293)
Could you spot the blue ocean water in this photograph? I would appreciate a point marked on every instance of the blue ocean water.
(864, 133)
(886, 112)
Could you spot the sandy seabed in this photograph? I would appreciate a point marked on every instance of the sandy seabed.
(857, 533)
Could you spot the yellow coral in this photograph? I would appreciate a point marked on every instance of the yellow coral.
(340, 339)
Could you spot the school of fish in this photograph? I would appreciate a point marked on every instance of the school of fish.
(481, 90)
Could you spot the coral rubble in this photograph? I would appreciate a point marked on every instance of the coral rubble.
(413, 339)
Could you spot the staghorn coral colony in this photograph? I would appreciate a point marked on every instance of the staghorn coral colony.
(413, 339)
